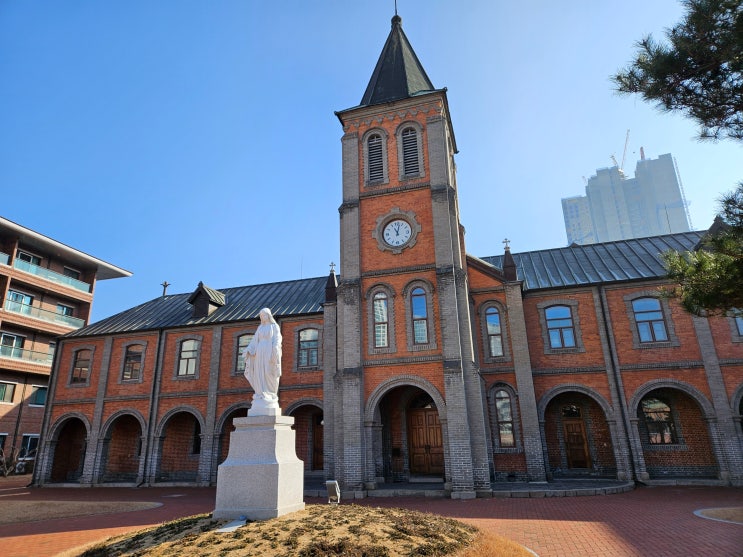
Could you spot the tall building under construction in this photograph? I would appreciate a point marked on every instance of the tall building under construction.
(619, 208)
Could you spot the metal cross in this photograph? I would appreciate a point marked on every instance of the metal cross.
(165, 285)
(332, 267)
(507, 242)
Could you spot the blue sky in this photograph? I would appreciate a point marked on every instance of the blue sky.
(195, 141)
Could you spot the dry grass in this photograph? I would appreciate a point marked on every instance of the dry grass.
(317, 531)
(731, 514)
(12, 512)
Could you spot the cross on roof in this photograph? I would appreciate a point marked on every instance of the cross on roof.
(507, 243)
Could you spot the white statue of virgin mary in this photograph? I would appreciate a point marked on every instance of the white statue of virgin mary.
(263, 365)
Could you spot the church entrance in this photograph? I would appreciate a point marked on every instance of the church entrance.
(407, 438)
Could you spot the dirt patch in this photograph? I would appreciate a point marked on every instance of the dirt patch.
(731, 514)
(317, 531)
(31, 511)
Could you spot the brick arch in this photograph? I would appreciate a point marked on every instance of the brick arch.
(177, 410)
(226, 414)
(572, 388)
(385, 387)
(62, 420)
(136, 414)
(686, 388)
(307, 401)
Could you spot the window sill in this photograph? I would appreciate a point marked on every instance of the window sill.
(569, 350)
(670, 447)
(308, 368)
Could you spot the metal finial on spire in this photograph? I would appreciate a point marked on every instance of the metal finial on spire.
(395, 7)
(507, 243)
(165, 285)
(332, 267)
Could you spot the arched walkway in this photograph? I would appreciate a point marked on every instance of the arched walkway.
(122, 450)
(180, 448)
(308, 427)
(70, 442)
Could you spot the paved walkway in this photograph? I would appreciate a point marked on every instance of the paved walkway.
(657, 521)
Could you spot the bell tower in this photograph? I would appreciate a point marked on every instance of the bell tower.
(407, 398)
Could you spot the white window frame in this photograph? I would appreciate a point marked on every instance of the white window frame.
(24, 437)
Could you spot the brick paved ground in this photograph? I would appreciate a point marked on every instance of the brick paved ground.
(655, 522)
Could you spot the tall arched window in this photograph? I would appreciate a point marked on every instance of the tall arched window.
(81, 367)
(651, 327)
(495, 335)
(187, 358)
(132, 363)
(504, 419)
(419, 315)
(308, 346)
(560, 327)
(381, 321)
(242, 344)
(410, 154)
(375, 158)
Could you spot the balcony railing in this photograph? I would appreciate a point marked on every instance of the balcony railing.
(43, 314)
(51, 275)
(4, 258)
(26, 355)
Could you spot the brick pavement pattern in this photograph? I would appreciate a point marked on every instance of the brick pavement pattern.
(656, 521)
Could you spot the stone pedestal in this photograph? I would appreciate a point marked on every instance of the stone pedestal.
(262, 477)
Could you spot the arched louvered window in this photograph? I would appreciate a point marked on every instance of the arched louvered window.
(381, 321)
(419, 315)
(410, 158)
(375, 158)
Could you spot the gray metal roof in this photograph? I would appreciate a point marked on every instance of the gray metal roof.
(608, 262)
(297, 297)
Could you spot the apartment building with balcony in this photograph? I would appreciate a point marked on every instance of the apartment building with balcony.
(47, 291)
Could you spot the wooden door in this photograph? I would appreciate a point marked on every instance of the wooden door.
(426, 442)
(576, 445)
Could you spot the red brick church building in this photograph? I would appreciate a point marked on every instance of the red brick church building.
(417, 360)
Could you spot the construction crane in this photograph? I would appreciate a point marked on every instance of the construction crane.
(620, 167)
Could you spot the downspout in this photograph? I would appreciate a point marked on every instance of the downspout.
(618, 380)
(153, 406)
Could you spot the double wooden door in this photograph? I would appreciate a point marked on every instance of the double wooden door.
(425, 442)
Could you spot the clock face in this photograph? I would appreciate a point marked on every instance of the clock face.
(397, 232)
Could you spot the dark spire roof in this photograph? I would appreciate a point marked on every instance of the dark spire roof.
(398, 74)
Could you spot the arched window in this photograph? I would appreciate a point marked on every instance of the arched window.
(494, 333)
(308, 346)
(560, 328)
(651, 326)
(504, 419)
(132, 363)
(188, 358)
(81, 366)
(659, 422)
(375, 158)
(381, 321)
(419, 315)
(242, 344)
(410, 154)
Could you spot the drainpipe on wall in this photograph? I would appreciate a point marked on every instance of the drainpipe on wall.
(618, 380)
(153, 407)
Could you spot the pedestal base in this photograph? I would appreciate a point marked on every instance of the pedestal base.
(262, 477)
